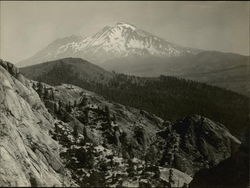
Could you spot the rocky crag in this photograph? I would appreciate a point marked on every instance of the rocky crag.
(28, 155)
(230, 173)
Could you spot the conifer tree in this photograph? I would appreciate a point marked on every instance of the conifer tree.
(130, 168)
(59, 105)
(170, 178)
(75, 132)
(87, 115)
(46, 93)
(52, 95)
(40, 89)
(55, 108)
(114, 118)
(56, 128)
(185, 185)
(34, 86)
(84, 101)
(33, 180)
(68, 107)
(108, 114)
(84, 132)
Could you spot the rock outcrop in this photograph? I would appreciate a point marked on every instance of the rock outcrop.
(230, 173)
(28, 155)
(189, 144)
(108, 146)
(196, 142)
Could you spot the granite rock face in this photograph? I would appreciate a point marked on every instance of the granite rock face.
(196, 142)
(232, 172)
(28, 155)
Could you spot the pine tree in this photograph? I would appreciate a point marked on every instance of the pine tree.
(59, 105)
(56, 128)
(75, 132)
(34, 86)
(84, 101)
(55, 108)
(151, 155)
(40, 89)
(87, 115)
(33, 181)
(185, 185)
(52, 95)
(84, 132)
(130, 168)
(108, 114)
(170, 178)
(64, 115)
(157, 173)
(68, 107)
(114, 118)
(46, 93)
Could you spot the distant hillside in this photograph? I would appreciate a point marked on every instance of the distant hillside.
(226, 70)
(167, 97)
(67, 70)
(172, 98)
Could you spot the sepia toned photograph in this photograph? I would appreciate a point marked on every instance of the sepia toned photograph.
(125, 94)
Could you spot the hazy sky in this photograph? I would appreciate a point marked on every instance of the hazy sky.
(27, 27)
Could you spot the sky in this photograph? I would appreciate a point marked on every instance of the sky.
(28, 26)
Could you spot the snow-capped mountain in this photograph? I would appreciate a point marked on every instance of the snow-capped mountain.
(119, 41)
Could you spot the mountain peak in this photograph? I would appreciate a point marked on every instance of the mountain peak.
(126, 25)
(118, 41)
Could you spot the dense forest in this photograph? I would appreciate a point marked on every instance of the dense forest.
(172, 98)
(168, 97)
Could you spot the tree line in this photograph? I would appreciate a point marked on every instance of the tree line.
(168, 97)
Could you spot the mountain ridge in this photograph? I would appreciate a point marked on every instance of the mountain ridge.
(82, 68)
(225, 70)
(189, 96)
